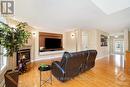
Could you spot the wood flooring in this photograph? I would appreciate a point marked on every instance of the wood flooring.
(108, 72)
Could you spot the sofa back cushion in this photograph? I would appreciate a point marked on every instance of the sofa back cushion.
(74, 61)
(71, 63)
(91, 58)
(65, 56)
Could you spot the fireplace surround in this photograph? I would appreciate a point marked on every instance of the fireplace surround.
(23, 54)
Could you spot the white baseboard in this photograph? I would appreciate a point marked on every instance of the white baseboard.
(51, 58)
(51, 53)
(102, 57)
(118, 54)
(48, 58)
(44, 59)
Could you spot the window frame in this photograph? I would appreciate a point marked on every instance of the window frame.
(3, 58)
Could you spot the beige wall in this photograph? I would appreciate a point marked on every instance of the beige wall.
(92, 39)
(102, 51)
(111, 51)
(72, 43)
(69, 43)
(34, 42)
(126, 39)
(129, 40)
(93, 42)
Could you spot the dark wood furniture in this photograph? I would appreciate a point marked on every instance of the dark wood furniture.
(11, 78)
(43, 35)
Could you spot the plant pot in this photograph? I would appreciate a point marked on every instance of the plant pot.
(12, 62)
(11, 78)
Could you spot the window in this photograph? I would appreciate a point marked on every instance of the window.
(2, 58)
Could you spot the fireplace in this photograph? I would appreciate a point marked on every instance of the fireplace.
(23, 54)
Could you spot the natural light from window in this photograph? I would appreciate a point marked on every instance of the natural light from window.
(3, 58)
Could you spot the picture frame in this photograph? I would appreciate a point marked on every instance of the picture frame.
(104, 40)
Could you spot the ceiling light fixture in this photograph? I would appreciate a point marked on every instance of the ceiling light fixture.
(116, 36)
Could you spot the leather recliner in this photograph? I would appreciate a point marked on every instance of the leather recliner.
(89, 57)
(73, 64)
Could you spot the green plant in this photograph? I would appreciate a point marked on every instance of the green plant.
(13, 38)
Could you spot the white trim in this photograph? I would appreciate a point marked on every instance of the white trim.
(43, 59)
(3, 68)
(53, 57)
(117, 54)
(102, 57)
(2, 83)
(50, 52)
(48, 58)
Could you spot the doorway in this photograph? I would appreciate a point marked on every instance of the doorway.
(119, 47)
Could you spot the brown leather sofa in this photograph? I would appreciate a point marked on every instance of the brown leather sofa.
(73, 64)
(89, 57)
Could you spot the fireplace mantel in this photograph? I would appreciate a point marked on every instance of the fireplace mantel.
(25, 47)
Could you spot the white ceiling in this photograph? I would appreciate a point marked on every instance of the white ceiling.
(64, 15)
(112, 6)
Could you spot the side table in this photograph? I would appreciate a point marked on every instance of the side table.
(45, 68)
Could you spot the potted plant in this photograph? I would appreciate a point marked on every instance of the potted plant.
(13, 38)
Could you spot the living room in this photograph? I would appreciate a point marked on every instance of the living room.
(60, 30)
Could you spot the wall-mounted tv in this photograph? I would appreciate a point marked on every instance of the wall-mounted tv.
(52, 43)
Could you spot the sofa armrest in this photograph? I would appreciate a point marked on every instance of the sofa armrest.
(57, 62)
(55, 65)
(58, 71)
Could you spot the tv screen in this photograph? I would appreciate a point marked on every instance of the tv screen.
(52, 43)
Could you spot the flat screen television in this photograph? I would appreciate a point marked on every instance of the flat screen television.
(52, 43)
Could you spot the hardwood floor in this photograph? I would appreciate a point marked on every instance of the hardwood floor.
(108, 72)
